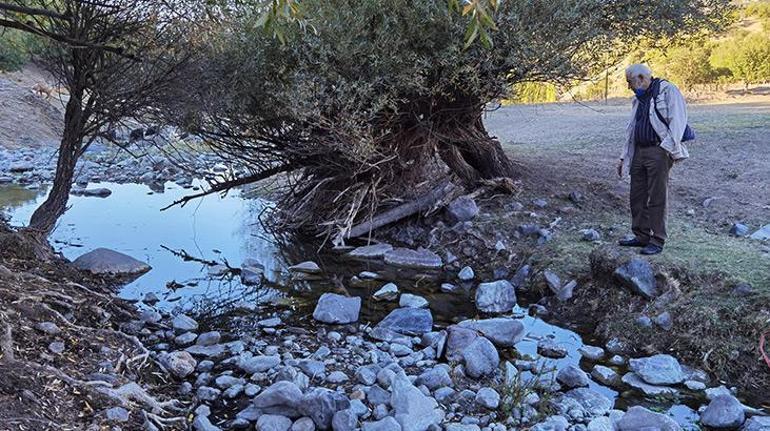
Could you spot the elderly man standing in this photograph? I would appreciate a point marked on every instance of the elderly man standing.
(654, 142)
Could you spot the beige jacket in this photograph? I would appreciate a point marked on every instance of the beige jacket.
(673, 108)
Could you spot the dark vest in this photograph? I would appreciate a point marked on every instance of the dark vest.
(644, 134)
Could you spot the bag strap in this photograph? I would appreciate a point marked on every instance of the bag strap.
(655, 106)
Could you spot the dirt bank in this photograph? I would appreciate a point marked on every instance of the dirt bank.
(63, 362)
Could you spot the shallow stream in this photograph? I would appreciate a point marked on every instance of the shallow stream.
(227, 229)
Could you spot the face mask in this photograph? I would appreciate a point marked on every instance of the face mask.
(639, 92)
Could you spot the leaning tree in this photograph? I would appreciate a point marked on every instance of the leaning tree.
(115, 58)
(369, 102)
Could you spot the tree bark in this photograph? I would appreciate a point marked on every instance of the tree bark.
(47, 214)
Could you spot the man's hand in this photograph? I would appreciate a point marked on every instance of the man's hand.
(620, 168)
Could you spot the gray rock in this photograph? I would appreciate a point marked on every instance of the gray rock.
(413, 301)
(337, 309)
(602, 423)
(386, 424)
(638, 276)
(336, 377)
(344, 420)
(644, 322)
(444, 394)
(312, 368)
(202, 423)
(185, 339)
(209, 338)
(462, 209)
(434, 378)
(56, 347)
(551, 349)
(502, 331)
(739, 229)
(694, 385)
(184, 323)
(639, 419)
(367, 375)
(591, 401)
(150, 316)
(664, 320)
(449, 287)
(461, 427)
(376, 395)
(488, 398)
(417, 259)
(181, 364)
(281, 398)
(757, 423)
(480, 358)
(150, 298)
(206, 393)
(303, 424)
(605, 375)
(227, 381)
(466, 274)
(658, 369)
(572, 377)
(215, 351)
(97, 193)
(49, 328)
(590, 235)
(307, 267)
(458, 338)
(724, 411)
(106, 261)
(320, 404)
(257, 364)
(552, 423)
(591, 353)
(116, 414)
(250, 413)
(636, 382)
(388, 292)
(763, 234)
(413, 410)
(273, 423)
(374, 251)
(496, 297)
(409, 321)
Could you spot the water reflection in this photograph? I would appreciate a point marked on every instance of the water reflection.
(214, 228)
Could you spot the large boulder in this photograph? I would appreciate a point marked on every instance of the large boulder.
(496, 297)
(503, 331)
(480, 358)
(320, 404)
(409, 321)
(413, 410)
(723, 412)
(658, 369)
(639, 418)
(591, 401)
(337, 309)
(638, 276)
(757, 423)
(417, 259)
(106, 261)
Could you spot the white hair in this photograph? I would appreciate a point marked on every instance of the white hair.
(639, 69)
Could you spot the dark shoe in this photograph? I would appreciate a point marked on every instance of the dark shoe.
(651, 249)
(631, 243)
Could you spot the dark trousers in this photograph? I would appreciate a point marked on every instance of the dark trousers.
(649, 193)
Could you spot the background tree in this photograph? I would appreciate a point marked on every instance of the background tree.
(114, 58)
(383, 95)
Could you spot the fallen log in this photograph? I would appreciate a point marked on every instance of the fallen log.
(402, 211)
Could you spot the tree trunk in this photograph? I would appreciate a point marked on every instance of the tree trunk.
(479, 157)
(47, 214)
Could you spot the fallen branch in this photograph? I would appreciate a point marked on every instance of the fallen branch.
(400, 212)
